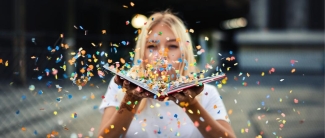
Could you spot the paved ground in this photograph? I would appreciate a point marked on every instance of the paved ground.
(256, 109)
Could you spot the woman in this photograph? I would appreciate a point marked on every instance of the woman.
(195, 112)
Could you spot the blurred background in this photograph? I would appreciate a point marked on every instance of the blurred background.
(271, 50)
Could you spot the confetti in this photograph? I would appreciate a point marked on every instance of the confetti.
(295, 101)
(55, 112)
(208, 128)
(132, 4)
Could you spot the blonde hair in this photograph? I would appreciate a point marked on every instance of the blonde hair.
(178, 28)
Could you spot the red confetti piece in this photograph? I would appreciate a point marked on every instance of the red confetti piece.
(208, 128)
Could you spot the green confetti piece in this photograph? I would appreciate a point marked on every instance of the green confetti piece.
(117, 108)
(136, 102)
(129, 102)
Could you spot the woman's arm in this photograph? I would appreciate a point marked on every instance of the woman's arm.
(209, 128)
(116, 122)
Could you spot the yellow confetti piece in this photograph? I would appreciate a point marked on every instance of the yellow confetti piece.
(92, 96)
(143, 129)
(151, 106)
(61, 35)
(157, 105)
(112, 126)
(262, 74)
(7, 64)
(190, 111)
(219, 85)
(198, 111)
(290, 91)
(293, 70)
(55, 112)
(124, 128)
(242, 131)
(124, 89)
(206, 38)
(178, 39)
(248, 75)
(178, 134)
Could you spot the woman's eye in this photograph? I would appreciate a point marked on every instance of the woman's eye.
(172, 47)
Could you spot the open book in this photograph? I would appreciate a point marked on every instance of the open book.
(170, 88)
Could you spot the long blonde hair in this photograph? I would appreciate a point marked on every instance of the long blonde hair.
(178, 28)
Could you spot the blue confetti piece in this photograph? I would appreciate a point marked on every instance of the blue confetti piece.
(159, 132)
(58, 99)
(219, 112)
(230, 52)
(95, 107)
(161, 117)
(40, 92)
(23, 97)
(49, 48)
(131, 58)
(81, 27)
(17, 112)
(175, 115)
(65, 76)
(115, 50)
(102, 62)
(70, 96)
(217, 82)
(150, 50)
(49, 83)
(267, 96)
(279, 111)
(35, 132)
(262, 103)
(139, 61)
(220, 97)
(102, 53)
(155, 96)
(123, 42)
(47, 70)
(88, 55)
(136, 31)
(180, 60)
(39, 77)
(57, 48)
(119, 87)
(84, 97)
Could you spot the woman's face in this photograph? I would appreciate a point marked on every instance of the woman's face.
(162, 48)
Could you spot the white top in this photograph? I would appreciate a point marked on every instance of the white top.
(166, 119)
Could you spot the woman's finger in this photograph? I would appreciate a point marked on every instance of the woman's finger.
(189, 93)
(118, 80)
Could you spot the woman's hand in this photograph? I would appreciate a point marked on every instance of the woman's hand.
(133, 92)
(187, 96)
